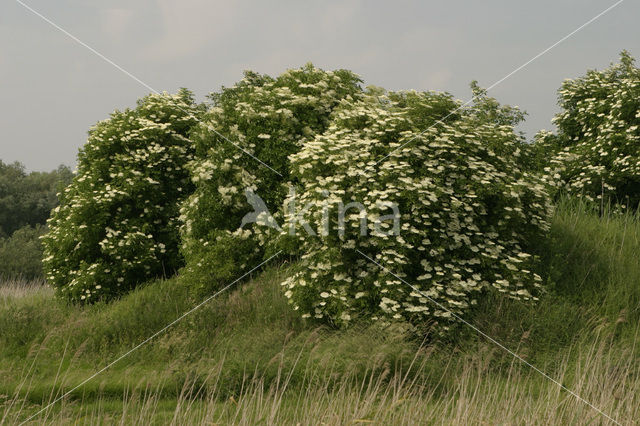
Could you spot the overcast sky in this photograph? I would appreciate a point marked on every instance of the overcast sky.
(52, 89)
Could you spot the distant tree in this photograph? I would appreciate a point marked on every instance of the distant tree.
(26, 199)
(21, 254)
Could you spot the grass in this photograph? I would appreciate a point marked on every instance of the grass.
(11, 290)
(246, 357)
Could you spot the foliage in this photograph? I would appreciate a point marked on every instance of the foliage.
(467, 212)
(117, 222)
(598, 140)
(26, 199)
(249, 336)
(21, 254)
(267, 118)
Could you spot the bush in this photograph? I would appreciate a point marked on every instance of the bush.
(117, 223)
(26, 199)
(598, 140)
(268, 118)
(21, 254)
(467, 214)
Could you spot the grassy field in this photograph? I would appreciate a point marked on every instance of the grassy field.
(246, 358)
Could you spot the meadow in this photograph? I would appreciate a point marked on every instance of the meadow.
(247, 358)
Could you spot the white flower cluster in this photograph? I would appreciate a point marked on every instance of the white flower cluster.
(468, 213)
(117, 222)
(268, 118)
(599, 135)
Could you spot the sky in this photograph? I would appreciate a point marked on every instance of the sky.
(53, 89)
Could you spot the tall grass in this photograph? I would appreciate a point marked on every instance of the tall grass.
(247, 358)
(476, 395)
(15, 288)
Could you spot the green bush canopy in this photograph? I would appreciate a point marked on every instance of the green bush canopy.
(444, 198)
(116, 225)
(598, 139)
(259, 118)
(466, 213)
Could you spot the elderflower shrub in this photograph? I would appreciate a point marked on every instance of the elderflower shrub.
(467, 211)
(260, 116)
(117, 222)
(598, 140)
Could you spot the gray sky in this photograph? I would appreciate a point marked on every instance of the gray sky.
(52, 89)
